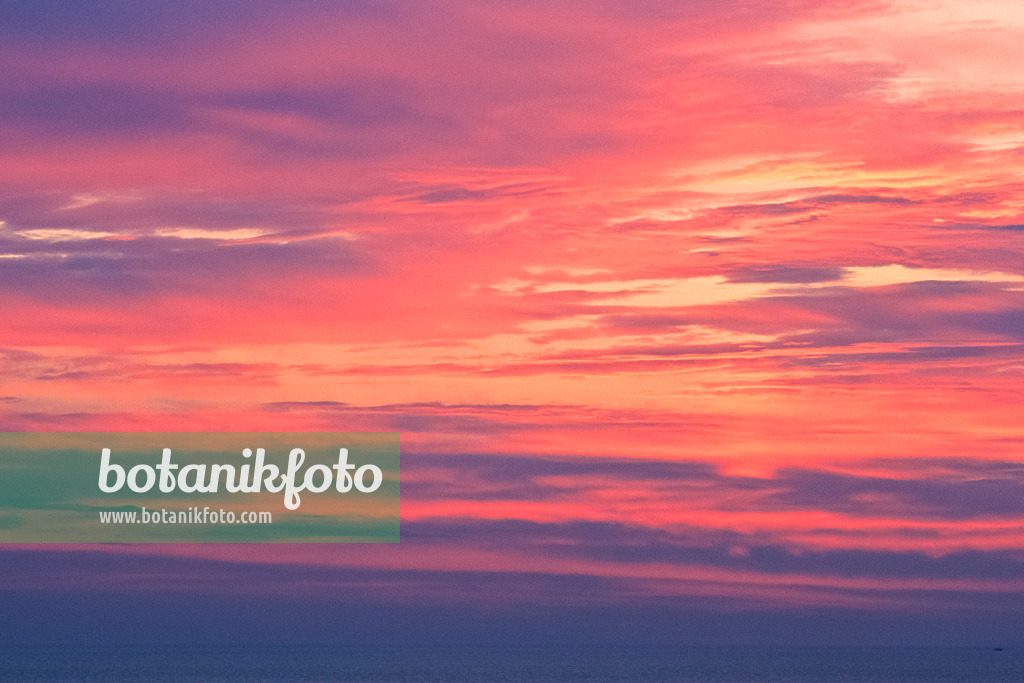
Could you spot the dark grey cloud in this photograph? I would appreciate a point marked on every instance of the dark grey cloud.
(922, 312)
(812, 203)
(641, 321)
(497, 420)
(143, 24)
(964, 466)
(911, 356)
(776, 209)
(491, 477)
(369, 103)
(651, 351)
(1009, 227)
(55, 598)
(372, 117)
(970, 198)
(81, 270)
(964, 492)
(94, 109)
(614, 542)
(955, 498)
(786, 274)
(825, 199)
(458, 193)
(136, 214)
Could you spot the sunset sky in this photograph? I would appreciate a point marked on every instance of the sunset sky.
(698, 318)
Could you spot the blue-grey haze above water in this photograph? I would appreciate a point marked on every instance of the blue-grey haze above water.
(684, 664)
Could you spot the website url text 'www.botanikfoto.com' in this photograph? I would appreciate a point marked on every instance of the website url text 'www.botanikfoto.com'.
(193, 515)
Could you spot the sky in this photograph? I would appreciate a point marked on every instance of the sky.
(698, 319)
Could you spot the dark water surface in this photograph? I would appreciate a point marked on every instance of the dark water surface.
(168, 664)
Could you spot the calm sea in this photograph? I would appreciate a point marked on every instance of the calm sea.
(705, 664)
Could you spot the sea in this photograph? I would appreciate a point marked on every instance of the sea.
(707, 664)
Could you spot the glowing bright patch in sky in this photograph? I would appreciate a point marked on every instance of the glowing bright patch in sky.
(201, 234)
(63, 235)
